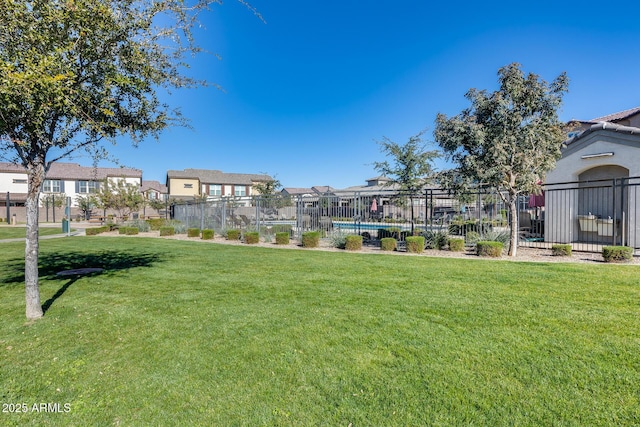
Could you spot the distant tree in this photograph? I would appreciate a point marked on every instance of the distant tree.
(75, 74)
(86, 205)
(269, 192)
(508, 139)
(123, 197)
(411, 168)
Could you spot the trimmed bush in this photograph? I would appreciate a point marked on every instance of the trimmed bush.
(415, 244)
(353, 243)
(388, 244)
(251, 237)
(456, 245)
(122, 230)
(96, 230)
(167, 231)
(193, 232)
(310, 239)
(233, 234)
(561, 250)
(490, 249)
(156, 223)
(617, 253)
(207, 234)
(282, 238)
(131, 231)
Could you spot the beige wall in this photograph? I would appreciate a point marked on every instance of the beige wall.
(177, 187)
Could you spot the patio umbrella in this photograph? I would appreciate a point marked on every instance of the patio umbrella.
(374, 205)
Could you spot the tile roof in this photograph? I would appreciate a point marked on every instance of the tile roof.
(73, 171)
(154, 185)
(292, 190)
(617, 116)
(218, 177)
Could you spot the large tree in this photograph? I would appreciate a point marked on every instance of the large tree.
(508, 139)
(411, 167)
(77, 73)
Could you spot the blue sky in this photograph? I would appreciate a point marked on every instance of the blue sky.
(307, 93)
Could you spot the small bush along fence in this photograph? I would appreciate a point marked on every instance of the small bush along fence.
(282, 238)
(193, 232)
(456, 245)
(156, 223)
(388, 244)
(310, 239)
(251, 237)
(353, 243)
(131, 231)
(122, 230)
(561, 250)
(207, 234)
(233, 234)
(617, 253)
(490, 249)
(435, 239)
(415, 244)
(97, 230)
(167, 231)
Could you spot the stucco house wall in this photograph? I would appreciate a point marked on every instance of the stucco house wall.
(605, 151)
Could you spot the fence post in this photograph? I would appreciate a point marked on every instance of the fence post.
(8, 207)
(202, 215)
(53, 206)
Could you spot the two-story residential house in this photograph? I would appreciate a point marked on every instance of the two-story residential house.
(63, 180)
(213, 184)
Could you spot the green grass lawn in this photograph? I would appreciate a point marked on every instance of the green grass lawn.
(191, 333)
(17, 231)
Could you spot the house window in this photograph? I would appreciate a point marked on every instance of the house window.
(85, 187)
(52, 186)
(215, 190)
(19, 181)
(188, 186)
(152, 195)
(241, 190)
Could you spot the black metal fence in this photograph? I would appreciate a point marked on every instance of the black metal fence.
(586, 214)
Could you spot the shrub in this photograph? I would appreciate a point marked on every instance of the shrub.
(141, 225)
(282, 238)
(233, 234)
(96, 230)
(436, 239)
(178, 226)
(490, 249)
(415, 244)
(251, 237)
(193, 232)
(207, 234)
(617, 253)
(167, 231)
(472, 237)
(338, 239)
(561, 250)
(155, 224)
(388, 244)
(456, 245)
(353, 242)
(122, 230)
(310, 239)
(131, 231)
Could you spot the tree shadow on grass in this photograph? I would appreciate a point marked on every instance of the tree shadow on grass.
(50, 264)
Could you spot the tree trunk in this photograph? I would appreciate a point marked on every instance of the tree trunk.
(36, 174)
(515, 225)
